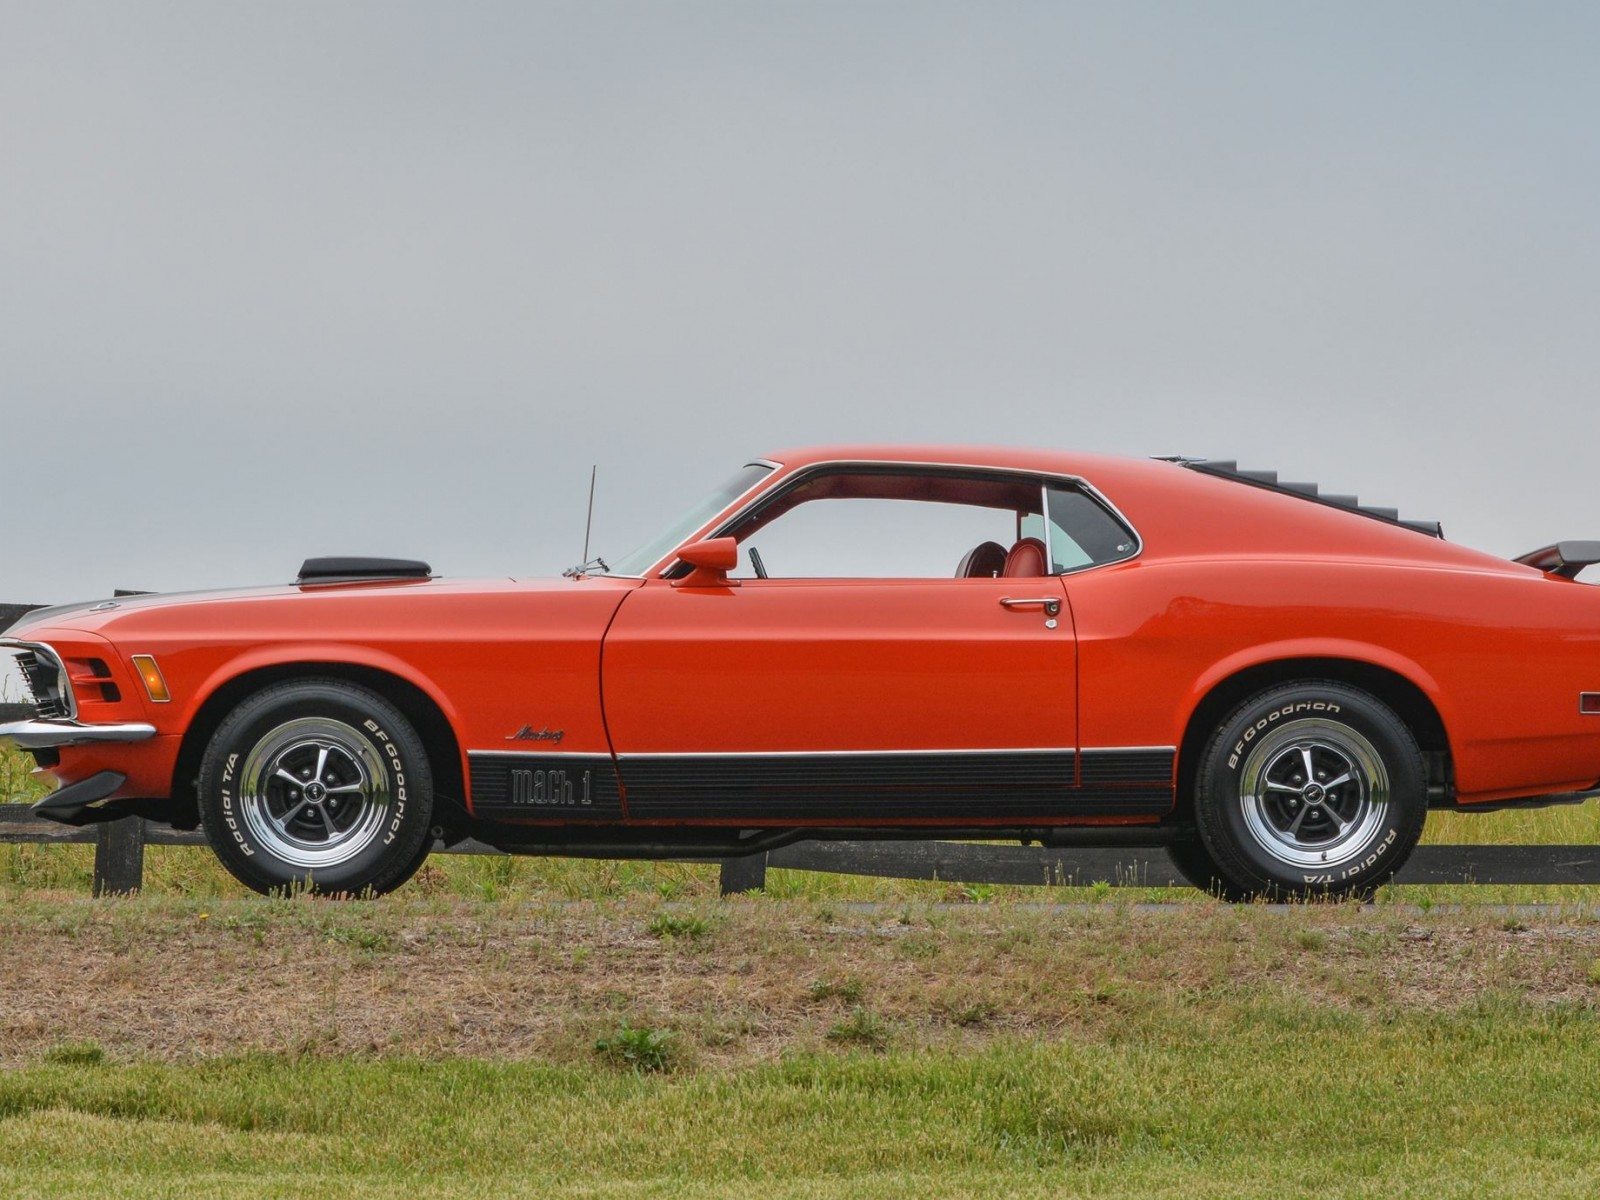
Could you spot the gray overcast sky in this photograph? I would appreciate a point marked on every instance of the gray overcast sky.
(284, 279)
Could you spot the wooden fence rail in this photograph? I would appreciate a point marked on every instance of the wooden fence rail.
(119, 859)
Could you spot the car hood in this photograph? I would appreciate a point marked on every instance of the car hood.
(86, 614)
(97, 616)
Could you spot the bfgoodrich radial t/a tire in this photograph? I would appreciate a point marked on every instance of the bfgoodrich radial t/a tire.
(317, 784)
(1311, 789)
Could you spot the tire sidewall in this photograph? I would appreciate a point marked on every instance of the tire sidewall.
(397, 848)
(1249, 866)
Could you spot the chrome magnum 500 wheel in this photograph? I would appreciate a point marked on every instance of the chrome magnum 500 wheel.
(1310, 789)
(317, 784)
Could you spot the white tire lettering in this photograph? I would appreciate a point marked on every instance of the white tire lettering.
(1299, 706)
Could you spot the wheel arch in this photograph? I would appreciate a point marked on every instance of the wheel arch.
(1413, 703)
(417, 702)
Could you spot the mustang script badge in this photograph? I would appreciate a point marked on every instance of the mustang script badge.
(529, 734)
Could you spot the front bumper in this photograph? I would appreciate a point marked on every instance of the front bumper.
(49, 734)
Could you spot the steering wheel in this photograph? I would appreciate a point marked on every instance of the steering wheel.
(755, 561)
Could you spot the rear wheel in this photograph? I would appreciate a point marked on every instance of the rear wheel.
(1312, 789)
(317, 784)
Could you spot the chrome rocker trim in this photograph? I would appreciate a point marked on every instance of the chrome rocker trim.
(47, 735)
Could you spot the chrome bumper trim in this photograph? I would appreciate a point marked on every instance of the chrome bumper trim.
(46, 735)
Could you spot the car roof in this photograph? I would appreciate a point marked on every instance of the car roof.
(1006, 457)
(1181, 512)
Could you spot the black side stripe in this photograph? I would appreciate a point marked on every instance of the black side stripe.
(868, 787)
(1098, 767)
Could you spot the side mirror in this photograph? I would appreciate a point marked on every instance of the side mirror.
(711, 559)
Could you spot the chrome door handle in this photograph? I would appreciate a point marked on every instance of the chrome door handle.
(1051, 606)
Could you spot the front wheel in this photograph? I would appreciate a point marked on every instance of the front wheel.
(317, 784)
(1312, 789)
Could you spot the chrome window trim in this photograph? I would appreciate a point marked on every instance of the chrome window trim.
(1044, 519)
(749, 501)
(49, 652)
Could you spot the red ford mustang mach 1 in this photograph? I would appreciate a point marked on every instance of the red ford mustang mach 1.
(1275, 682)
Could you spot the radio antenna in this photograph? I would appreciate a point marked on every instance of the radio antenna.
(588, 522)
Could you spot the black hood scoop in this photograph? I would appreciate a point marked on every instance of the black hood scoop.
(360, 570)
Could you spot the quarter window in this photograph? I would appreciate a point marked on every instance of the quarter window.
(1082, 532)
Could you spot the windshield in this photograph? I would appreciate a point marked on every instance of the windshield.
(653, 551)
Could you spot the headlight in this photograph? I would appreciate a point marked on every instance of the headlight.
(38, 678)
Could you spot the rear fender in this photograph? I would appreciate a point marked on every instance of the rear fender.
(1364, 653)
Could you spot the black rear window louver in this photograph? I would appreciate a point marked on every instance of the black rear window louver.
(1229, 469)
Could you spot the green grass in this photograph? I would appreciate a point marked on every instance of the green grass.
(1567, 824)
(433, 1047)
(640, 1049)
(676, 925)
(535, 1027)
(17, 784)
(862, 1027)
(1283, 1103)
(849, 989)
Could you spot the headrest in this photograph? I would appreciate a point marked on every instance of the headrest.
(1026, 560)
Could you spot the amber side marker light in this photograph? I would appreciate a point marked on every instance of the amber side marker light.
(154, 685)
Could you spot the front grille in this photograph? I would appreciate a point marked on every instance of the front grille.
(39, 682)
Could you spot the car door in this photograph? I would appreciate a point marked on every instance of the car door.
(840, 696)
(849, 700)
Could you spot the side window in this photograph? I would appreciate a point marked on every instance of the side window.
(875, 539)
(887, 523)
(873, 522)
(1082, 532)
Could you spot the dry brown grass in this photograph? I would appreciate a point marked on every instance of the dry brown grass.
(179, 980)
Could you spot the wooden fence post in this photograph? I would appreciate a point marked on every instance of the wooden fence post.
(747, 874)
(119, 857)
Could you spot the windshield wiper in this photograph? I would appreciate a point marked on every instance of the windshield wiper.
(587, 568)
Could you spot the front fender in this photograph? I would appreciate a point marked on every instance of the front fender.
(310, 655)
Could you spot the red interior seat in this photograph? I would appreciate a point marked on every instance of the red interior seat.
(1026, 560)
